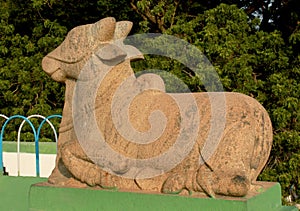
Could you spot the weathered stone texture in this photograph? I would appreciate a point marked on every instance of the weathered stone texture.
(232, 168)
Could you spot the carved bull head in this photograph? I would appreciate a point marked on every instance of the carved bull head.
(107, 35)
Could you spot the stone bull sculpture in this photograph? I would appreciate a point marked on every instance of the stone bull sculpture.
(231, 168)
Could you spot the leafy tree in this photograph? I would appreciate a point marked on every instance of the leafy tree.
(24, 88)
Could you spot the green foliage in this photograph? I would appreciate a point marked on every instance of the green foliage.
(24, 88)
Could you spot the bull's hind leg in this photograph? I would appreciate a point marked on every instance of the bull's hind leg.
(226, 183)
(231, 185)
(82, 167)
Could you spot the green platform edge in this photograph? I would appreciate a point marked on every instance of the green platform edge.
(21, 193)
(58, 198)
(14, 192)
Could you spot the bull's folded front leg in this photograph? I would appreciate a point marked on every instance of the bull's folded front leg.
(82, 167)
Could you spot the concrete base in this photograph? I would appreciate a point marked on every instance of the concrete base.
(45, 197)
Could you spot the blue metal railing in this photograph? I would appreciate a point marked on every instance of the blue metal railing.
(36, 137)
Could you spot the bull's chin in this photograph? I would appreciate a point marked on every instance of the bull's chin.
(59, 76)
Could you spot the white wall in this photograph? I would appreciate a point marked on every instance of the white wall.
(27, 164)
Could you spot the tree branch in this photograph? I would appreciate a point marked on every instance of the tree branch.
(174, 13)
(146, 15)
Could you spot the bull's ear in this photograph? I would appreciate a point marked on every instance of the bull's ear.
(111, 54)
(122, 29)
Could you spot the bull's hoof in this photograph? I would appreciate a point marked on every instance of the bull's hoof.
(173, 184)
(240, 186)
(71, 182)
(256, 188)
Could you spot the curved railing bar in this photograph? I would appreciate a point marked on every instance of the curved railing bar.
(39, 130)
(37, 158)
(2, 132)
(47, 119)
(5, 117)
(2, 115)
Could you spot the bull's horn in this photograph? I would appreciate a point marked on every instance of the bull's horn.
(104, 29)
(122, 29)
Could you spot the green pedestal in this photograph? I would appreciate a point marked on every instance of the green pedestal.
(43, 197)
(14, 192)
